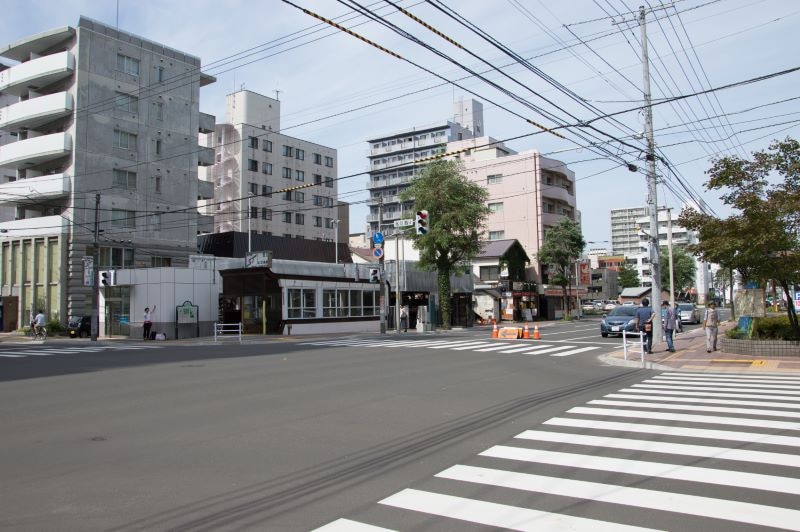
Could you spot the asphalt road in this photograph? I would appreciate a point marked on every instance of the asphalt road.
(338, 432)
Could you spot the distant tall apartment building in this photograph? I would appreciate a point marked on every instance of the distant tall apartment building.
(258, 171)
(624, 230)
(393, 159)
(104, 124)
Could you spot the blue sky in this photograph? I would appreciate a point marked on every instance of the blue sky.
(320, 72)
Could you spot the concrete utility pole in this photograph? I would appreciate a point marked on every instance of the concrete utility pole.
(384, 285)
(96, 272)
(652, 201)
(671, 264)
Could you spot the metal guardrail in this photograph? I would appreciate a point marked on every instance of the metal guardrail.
(625, 344)
(227, 330)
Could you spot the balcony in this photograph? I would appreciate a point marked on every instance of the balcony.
(207, 123)
(36, 150)
(205, 189)
(205, 156)
(556, 192)
(44, 187)
(36, 111)
(43, 225)
(37, 73)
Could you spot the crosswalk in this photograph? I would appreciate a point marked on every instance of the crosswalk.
(40, 350)
(480, 346)
(678, 451)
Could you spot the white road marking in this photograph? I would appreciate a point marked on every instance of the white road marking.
(691, 418)
(712, 388)
(575, 351)
(710, 394)
(472, 346)
(504, 345)
(767, 404)
(750, 380)
(726, 384)
(744, 512)
(774, 377)
(527, 348)
(498, 515)
(549, 350)
(346, 525)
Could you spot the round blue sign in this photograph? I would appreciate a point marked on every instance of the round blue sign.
(378, 252)
(377, 238)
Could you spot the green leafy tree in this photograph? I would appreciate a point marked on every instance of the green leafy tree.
(457, 214)
(761, 239)
(683, 267)
(562, 246)
(627, 277)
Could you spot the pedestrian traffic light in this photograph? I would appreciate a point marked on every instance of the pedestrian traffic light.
(107, 277)
(374, 275)
(422, 223)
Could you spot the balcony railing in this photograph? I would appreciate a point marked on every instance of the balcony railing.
(205, 156)
(35, 188)
(28, 152)
(37, 73)
(36, 111)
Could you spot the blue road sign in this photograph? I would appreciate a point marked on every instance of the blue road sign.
(378, 252)
(377, 238)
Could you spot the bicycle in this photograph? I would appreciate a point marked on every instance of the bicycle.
(39, 333)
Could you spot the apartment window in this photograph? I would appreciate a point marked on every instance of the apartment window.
(128, 103)
(317, 221)
(287, 217)
(329, 182)
(124, 140)
(254, 212)
(155, 222)
(319, 201)
(317, 179)
(494, 179)
(328, 223)
(329, 202)
(267, 145)
(160, 262)
(219, 157)
(490, 273)
(266, 190)
(266, 168)
(266, 214)
(252, 165)
(159, 111)
(160, 74)
(111, 257)
(158, 146)
(300, 175)
(125, 179)
(287, 195)
(495, 207)
(329, 162)
(287, 173)
(317, 158)
(299, 154)
(299, 197)
(123, 218)
(496, 235)
(254, 189)
(127, 64)
(299, 219)
(301, 303)
(288, 151)
(253, 142)
(157, 184)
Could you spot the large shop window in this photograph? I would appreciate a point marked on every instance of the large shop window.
(346, 303)
(302, 303)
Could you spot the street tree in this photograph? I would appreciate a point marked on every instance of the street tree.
(760, 239)
(562, 246)
(627, 277)
(683, 267)
(457, 214)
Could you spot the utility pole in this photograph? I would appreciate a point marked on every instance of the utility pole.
(652, 201)
(671, 265)
(384, 284)
(96, 272)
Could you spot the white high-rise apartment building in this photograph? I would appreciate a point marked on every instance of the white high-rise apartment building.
(254, 167)
(624, 231)
(95, 112)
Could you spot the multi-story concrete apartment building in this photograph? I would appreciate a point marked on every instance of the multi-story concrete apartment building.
(393, 159)
(106, 128)
(256, 165)
(624, 230)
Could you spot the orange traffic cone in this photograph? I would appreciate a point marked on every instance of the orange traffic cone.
(526, 333)
(536, 333)
(495, 333)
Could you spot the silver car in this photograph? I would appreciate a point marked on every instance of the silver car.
(688, 313)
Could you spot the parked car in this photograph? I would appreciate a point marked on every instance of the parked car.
(609, 305)
(622, 318)
(80, 327)
(588, 307)
(689, 313)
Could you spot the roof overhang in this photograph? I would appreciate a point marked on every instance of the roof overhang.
(36, 44)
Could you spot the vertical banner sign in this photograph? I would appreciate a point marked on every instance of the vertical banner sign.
(88, 271)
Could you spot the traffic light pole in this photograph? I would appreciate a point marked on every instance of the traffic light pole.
(96, 272)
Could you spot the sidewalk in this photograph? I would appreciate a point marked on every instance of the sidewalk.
(691, 355)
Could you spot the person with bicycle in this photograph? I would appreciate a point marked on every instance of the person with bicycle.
(38, 324)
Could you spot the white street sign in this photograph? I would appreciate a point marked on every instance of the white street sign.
(404, 223)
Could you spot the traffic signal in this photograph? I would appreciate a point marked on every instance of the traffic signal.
(421, 226)
(374, 275)
(107, 277)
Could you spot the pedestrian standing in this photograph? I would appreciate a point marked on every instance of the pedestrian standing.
(711, 325)
(644, 323)
(148, 322)
(668, 319)
(404, 318)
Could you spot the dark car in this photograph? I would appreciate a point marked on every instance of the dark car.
(80, 327)
(622, 318)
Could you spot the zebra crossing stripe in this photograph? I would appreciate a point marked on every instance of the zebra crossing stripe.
(683, 449)
(472, 346)
(460, 343)
(548, 350)
(721, 477)
(495, 348)
(698, 408)
(666, 430)
(712, 388)
(347, 525)
(497, 515)
(707, 380)
(744, 512)
(767, 404)
(727, 384)
(691, 418)
(575, 351)
(527, 348)
(710, 394)
(11, 356)
(704, 375)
